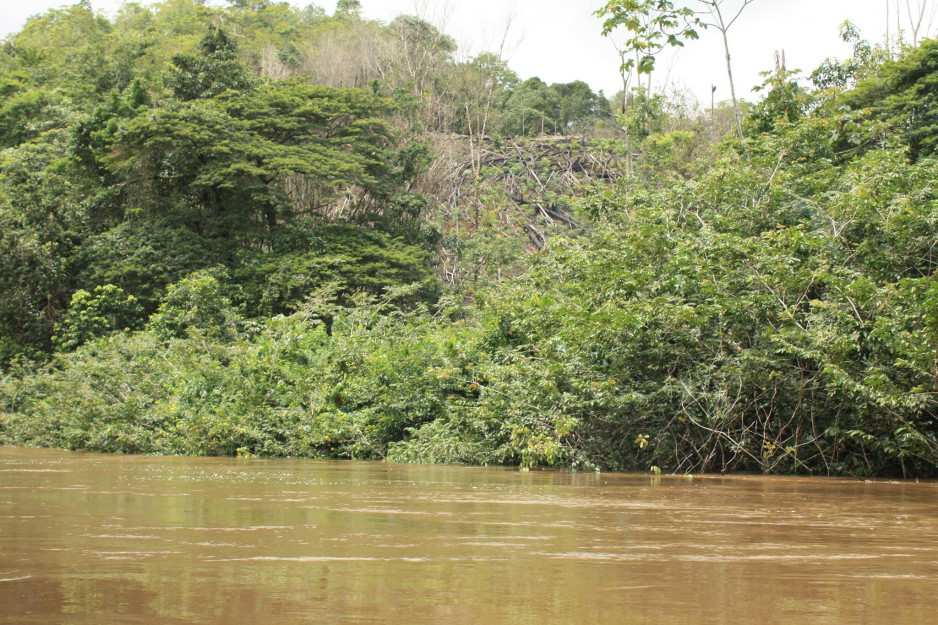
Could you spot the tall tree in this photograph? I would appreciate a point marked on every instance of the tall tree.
(723, 23)
(417, 51)
(234, 154)
(899, 105)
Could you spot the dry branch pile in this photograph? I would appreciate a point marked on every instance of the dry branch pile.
(518, 188)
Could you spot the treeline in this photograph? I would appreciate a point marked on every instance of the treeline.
(225, 260)
(74, 55)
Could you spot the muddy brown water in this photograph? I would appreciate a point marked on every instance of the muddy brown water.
(88, 538)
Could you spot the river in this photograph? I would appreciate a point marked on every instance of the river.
(87, 538)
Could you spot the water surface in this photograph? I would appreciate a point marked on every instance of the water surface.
(88, 538)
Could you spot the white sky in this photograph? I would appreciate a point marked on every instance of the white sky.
(560, 40)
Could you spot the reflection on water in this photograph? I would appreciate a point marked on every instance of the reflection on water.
(93, 539)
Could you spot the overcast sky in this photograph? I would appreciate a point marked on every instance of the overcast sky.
(560, 40)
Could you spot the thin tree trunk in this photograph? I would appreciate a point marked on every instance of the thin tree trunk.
(723, 27)
(628, 136)
(729, 73)
(916, 22)
(898, 28)
(888, 52)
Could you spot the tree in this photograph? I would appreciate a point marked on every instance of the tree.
(532, 108)
(234, 155)
(721, 23)
(348, 8)
(418, 51)
(839, 74)
(22, 109)
(347, 54)
(197, 301)
(214, 70)
(653, 25)
(481, 86)
(43, 215)
(784, 99)
(579, 106)
(414, 62)
(82, 65)
(249, 5)
(896, 105)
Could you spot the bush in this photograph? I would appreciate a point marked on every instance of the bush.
(196, 302)
(90, 315)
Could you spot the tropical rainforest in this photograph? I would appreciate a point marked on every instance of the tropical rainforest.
(260, 230)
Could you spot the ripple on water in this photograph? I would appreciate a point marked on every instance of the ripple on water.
(723, 558)
(15, 579)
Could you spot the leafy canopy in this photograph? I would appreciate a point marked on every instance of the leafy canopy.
(652, 25)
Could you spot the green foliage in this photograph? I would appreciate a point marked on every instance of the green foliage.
(197, 302)
(705, 325)
(144, 257)
(834, 74)
(214, 70)
(348, 8)
(31, 284)
(532, 108)
(481, 87)
(240, 148)
(419, 59)
(784, 102)
(653, 25)
(67, 48)
(672, 151)
(644, 116)
(579, 107)
(21, 109)
(229, 259)
(351, 259)
(40, 220)
(896, 105)
(106, 310)
(138, 187)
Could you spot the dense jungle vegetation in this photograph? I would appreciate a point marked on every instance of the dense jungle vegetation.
(263, 230)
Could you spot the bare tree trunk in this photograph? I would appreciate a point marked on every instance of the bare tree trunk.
(888, 52)
(915, 21)
(898, 28)
(626, 79)
(483, 99)
(729, 73)
(472, 145)
(723, 26)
